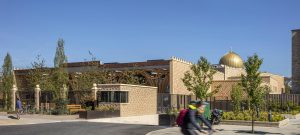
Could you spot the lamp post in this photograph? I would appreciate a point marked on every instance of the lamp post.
(37, 97)
(13, 97)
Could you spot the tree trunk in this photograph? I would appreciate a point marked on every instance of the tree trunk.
(252, 121)
(5, 100)
(249, 105)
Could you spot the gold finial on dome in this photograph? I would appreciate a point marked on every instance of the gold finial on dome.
(232, 59)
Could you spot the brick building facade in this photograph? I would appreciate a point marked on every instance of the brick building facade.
(167, 76)
(138, 100)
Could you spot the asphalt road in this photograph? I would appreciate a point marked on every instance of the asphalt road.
(77, 128)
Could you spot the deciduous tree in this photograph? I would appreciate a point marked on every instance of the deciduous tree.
(199, 79)
(252, 84)
(236, 97)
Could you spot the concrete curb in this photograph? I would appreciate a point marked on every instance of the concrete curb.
(290, 116)
(168, 131)
(256, 123)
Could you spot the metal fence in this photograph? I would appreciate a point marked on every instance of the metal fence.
(167, 102)
(1, 103)
(282, 99)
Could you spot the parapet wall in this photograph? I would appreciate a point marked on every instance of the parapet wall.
(177, 69)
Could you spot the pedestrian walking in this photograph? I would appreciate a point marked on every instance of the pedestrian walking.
(18, 108)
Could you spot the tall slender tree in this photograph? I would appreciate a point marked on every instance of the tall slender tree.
(252, 84)
(7, 80)
(200, 78)
(59, 77)
(60, 57)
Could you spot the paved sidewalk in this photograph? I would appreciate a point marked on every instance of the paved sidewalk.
(292, 129)
(139, 120)
(10, 119)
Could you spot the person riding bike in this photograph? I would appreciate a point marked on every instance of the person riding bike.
(200, 115)
(190, 120)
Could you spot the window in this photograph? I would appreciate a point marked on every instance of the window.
(114, 96)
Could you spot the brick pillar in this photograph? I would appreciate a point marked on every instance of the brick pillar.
(13, 97)
(37, 91)
(296, 61)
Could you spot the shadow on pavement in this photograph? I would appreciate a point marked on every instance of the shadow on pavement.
(256, 132)
(12, 117)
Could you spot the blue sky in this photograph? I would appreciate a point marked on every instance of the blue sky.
(137, 30)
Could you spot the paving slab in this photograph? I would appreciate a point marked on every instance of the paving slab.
(10, 119)
(139, 120)
(293, 128)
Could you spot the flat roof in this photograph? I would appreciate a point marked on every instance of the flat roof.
(120, 84)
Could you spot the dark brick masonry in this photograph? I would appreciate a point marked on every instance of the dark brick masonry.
(296, 61)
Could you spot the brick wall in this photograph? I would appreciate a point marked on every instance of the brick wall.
(233, 72)
(225, 89)
(279, 84)
(227, 85)
(219, 76)
(177, 69)
(142, 100)
(296, 61)
(274, 86)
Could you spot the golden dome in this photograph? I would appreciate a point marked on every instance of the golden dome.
(232, 59)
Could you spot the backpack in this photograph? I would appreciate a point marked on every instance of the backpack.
(179, 120)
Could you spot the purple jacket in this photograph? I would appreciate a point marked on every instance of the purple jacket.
(19, 104)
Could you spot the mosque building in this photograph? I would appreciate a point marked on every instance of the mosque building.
(230, 69)
(167, 76)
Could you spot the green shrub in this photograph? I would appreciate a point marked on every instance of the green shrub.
(102, 108)
(60, 107)
(247, 116)
(294, 112)
(277, 118)
(240, 116)
(107, 108)
(226, 115)
(297, 108)
(3, 110)
(276, 106)
(88, 108)
(173, 111)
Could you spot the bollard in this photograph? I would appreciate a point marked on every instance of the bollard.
(257, 113)
(270, 116)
